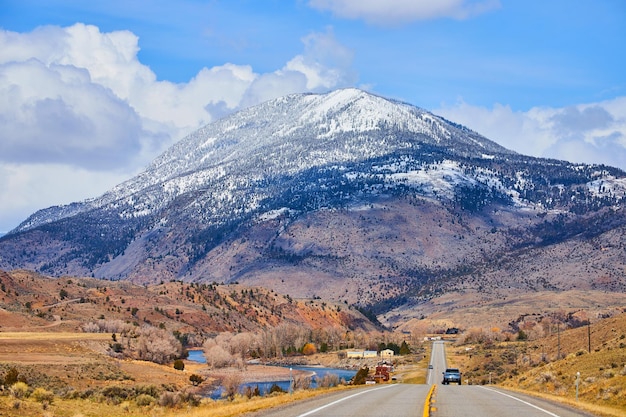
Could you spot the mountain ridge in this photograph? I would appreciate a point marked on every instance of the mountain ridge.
(178, 162)
(344, 195)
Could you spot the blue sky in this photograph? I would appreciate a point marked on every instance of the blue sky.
(90, 92)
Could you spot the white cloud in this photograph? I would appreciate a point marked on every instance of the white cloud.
(79, 101)
(325, 62)
(56, 114)
(392, 12)
(324, 65)
(25, 188)
(589, 133)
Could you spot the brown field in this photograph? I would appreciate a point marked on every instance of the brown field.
(77, 361)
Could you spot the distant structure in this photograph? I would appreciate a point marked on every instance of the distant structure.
(386, 353)
(362, 354)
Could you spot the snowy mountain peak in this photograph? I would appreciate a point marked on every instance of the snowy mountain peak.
(305, 130)
(248, 160)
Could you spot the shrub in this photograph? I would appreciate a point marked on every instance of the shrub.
(250, 392)
(361, 376)
(309, 349)
(150, 390)
(19, 390)
(191, 399)
(328, 380)
(143, 400)
(301, 382)
(43, 395)
(11, 377)
(231, 386)
(168, 399)
(196, 379)
(171, 399)
(275, 388)
(179, 365)
(116, 392)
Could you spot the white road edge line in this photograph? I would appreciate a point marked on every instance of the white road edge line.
(522, 401)
(342, 399)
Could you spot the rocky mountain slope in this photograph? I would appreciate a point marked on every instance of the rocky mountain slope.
(32, 302)
(346, 196)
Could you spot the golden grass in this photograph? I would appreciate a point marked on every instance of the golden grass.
(454, 359)
(88, 408)
(242, 405)
(595, 409)
(413, 377)
(532, 366)
(11, 407)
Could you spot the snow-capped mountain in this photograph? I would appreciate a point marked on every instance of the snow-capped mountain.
(283, 137)
(310, 193)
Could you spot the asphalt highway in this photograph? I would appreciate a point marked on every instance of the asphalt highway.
(398, 400)
(404, 400)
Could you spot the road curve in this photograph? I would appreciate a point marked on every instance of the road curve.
(398, 400)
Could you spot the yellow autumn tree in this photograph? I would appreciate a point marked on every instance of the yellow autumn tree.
(309, 349)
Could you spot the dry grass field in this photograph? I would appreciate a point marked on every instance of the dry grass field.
(76, 360)
(67, 363)
(11, 407)
(534, 365)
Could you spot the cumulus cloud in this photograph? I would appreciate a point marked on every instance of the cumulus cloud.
(392, 12)
(55, 113)
(588, 133)
(325, 64)
(79, 100)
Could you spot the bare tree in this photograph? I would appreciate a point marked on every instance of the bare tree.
(157, 345)
(241, 344)
(231, 385)
(217, 357)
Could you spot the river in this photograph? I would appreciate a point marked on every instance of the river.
(316, 373)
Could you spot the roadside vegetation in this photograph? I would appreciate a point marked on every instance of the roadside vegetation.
(552, 362)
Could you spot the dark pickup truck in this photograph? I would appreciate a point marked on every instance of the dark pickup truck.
(451, 375)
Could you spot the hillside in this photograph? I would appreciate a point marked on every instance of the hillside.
(31, 302)
(549, 356)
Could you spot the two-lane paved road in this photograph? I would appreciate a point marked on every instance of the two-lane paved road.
(397, 400)
(403, 400)
(476, 400)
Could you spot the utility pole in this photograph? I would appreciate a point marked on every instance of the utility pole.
(589, 335)
(558, 333)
